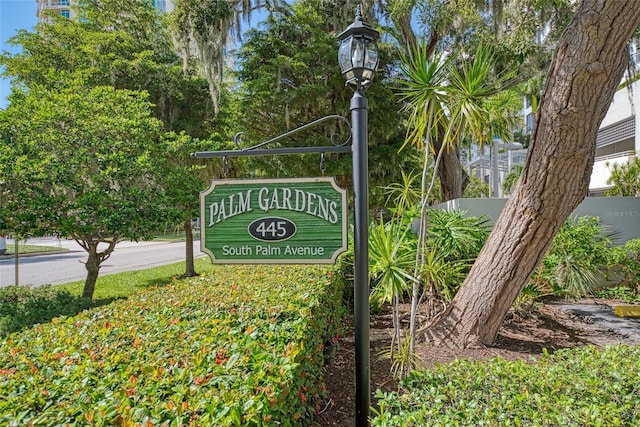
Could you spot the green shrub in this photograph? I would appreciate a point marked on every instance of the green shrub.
(456, 236)
(579, 387)
(625, 265)
(242, 346)
(580, 250)
(22, 307)
(344, 271)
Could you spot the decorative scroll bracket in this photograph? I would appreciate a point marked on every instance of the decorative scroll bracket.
(256, 150)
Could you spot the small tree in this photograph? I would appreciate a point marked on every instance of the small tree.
(128, 51)
(80, 163)
(511, 179)
(625, 178)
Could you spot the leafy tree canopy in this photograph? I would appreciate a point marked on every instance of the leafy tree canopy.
(108, 48)
(625, 179)
(289, 77)
(79, 163)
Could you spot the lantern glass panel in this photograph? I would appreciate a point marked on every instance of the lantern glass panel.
(344, 55)
(358, 52)
(367, 76)
(371, 62)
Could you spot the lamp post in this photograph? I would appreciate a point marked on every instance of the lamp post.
(495, 166)
(358, 59)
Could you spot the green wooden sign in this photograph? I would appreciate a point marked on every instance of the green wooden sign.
(273, 221)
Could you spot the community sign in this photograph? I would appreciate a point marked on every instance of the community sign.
(273, 221)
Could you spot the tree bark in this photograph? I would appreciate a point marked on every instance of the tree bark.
(190, 269)
(93, 269)
(453, 177)
(95, 259)
(587, 67)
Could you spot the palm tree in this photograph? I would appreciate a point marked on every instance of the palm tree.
(445, 102)
(424, 94)
(390, 258)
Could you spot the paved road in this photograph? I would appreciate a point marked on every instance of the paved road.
(63, 267)
(604, 316)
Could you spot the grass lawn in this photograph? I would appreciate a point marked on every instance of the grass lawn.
(31, 249)
(121, 285)
(175, 237)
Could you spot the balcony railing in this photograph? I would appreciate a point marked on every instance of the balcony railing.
(612, 156)
(56, 3)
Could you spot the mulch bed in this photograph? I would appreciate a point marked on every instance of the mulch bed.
(524, 338)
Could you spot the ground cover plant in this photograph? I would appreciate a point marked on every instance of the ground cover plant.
(240, 346)
(587, 386)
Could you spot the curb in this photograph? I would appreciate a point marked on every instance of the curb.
(63, 250)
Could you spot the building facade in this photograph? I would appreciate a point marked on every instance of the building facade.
(619, 135)
(63, 7)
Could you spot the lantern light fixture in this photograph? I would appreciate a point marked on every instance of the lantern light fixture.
(358, 53)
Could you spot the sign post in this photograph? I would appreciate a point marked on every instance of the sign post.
(269, 221)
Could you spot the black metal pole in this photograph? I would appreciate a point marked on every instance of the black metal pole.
(361, 249)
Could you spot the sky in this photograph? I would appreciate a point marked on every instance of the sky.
(14, 15)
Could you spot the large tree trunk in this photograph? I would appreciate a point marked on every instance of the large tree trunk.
(588, 65)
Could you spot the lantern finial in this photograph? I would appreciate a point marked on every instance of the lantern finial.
(359, 13)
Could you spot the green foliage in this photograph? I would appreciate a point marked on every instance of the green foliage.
(108, 48)
(625, 293)
(624, 265)
(344, 272)
(578, 387)
(289, 78)
(631, 260)
(453, 242)
(477, 188)
(80, 163)
(403, 195)
(527, 300)
(511, 179)
(423, 90)
(625, 178)
(21, 306)
(132, 51)
(580, 249)
(391, 257)
(478, 108)
(441, 275)
(225, 350)
(402, 359)
(456, 236)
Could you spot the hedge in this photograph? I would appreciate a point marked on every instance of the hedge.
(577, 387)
(242, 346)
